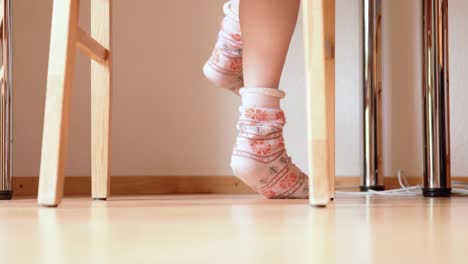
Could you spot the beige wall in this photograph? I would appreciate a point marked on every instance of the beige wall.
(168, 120)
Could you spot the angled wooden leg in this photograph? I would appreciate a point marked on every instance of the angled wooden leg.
(59, 81)
(319, 37)
(101, 85)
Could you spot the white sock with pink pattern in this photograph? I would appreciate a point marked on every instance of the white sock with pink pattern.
(224, 67)
(259, 157)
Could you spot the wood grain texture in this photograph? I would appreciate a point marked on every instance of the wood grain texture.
(101, 93)
(59, 83)
(319, 38)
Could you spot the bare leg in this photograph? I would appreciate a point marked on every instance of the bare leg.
(267, 27)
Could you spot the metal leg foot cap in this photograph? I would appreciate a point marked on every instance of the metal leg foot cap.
(100, 199)
(6, 195)
(374, 188)
(437, 192)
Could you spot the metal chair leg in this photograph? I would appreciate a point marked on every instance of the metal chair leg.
(372, 178)
(436, 104)
(6, 114)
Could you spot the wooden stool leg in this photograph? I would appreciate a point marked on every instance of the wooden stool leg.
(59, 82)
(330, 88)
(319, 37)
(101, 85)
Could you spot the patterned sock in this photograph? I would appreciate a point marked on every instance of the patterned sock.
(224, 67)
(259, 157)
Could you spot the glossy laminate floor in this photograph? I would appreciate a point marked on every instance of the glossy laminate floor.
(235, 229)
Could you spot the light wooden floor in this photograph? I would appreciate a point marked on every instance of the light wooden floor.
(235, 229)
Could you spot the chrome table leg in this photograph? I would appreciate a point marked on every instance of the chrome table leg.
(436, 121)
(6, 127)
(372, 178)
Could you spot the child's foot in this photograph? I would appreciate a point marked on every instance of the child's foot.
(224, 67)
(259, 157)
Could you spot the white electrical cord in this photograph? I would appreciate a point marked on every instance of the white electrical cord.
(406, 189)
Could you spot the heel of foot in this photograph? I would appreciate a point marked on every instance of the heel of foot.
(228, 82)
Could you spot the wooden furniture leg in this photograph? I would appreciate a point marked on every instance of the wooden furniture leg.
(101, 80)
(59, 82)
(66, 35)
(319, 38)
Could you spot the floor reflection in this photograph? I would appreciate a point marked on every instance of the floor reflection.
(248, 230)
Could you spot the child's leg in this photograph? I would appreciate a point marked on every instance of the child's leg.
(267, 27)
(259, 156)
